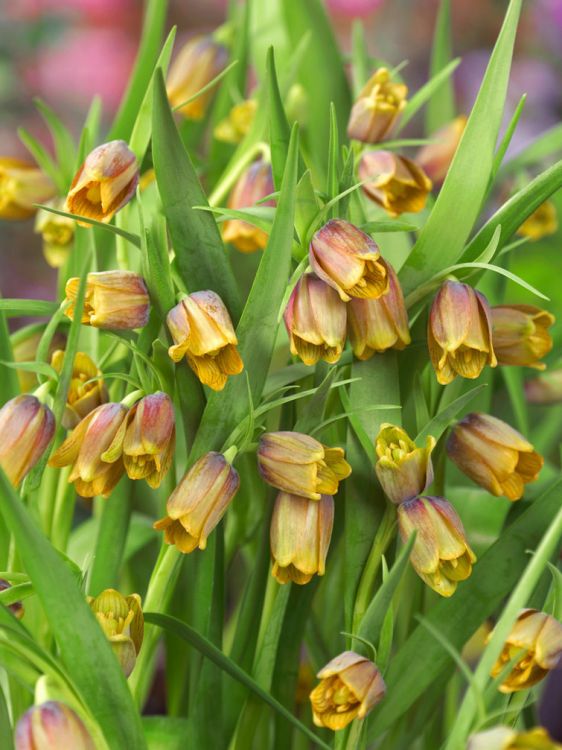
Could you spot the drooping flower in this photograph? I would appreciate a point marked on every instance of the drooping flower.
(57, 233)
(520, 335)
(52, 726)
(404, 470)
(395, 183)
(199, 61)
(377, 108)
(27, 427)
(86, 390)
(122, 621)
(21, 186)
(237, 123)
(435, 158)
(494, 455)
(546, 388)
(254, 184)
(114, 299)
(541, 223)
(507, 738)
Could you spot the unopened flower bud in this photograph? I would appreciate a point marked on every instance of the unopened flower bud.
(122, 621)
(435, 158)
(146, 439)
(199, 502)
(541, 223)
(459, 333)
(396, 183)
(520, 335)
(350, 687)
(507, 738)
(27, 427)
(114, 299)
(546, 388)
(299, 465)
(254, 184)
(315, 318)
(377, 108)
(197, 64)
(375, 325)
(348, 260)
(52, 726)
(237, 123)
(404, 470)
(21, 186)
(441, 555)
(86, 390)
(57, 232)
(203, 332)
(494, 455)
(83, 450)
(16, 608)
(300, 535)
(536, 639)
(105, 182)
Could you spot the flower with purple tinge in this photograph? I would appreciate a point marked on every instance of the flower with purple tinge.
(300, 534)
(404, 470)
(377, 108)
(520, 335)
(546, 388)
(199, 502)
(52, 726)
(199, 61)
(394, 182)
(254, 184)
(114, 299)
(348, 260)
(315, 319)
(86, 390)
(435, 158)
(27, 427)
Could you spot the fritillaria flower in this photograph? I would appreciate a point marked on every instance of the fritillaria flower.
(238, 122)
(27, 427)
(441, 555)
(375, 325)
(106, 181)
(57, 233)
(114, 299)
(300, 535)
(541, 223)
(520, 335)
(377, 108)
(404, 470)
(494, 455)
(435, 158)
(396, 183)
(536, 641)
(86, 390)
(507, 738)
(122, 621)
(299, 465)
(459, 333)
(21, 186)
(348, 260)
(197, 64)
(24, 349)
(350, 687)
(199, 502)
(254, 184)
(546, 388)
(52, 726)
(315, 318)
(203, 332)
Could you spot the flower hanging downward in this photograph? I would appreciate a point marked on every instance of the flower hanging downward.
(350, 687)
(459, 333)
(507, 738)
(203, 332)
(300, 465)
(27, 427)
(520, 335)
(114, 299)
(198, 62)
(122, 621)
(436, 157)
(541, 223)
(396, 183)
(494, 455)
(377, 108)
(21, 186)
(441, 555)
(199, 502)
(254, 184)
(536, 641)
(348, 260)
(404, 470)
(52, 726)
(105, 182)
(86, 390)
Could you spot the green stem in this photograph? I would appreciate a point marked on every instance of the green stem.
(63, 511)
(158, 595)
(111, 538)
(232, 174)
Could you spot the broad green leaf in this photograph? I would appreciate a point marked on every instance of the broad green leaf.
(40, 367)
(258, 216)
(5, 724)
(441, 421)
(134, 239)
(84, 649)
(427, 91)
(156, 262)
(197, 243)
(441, 241)
(361, 65)
(210, 651)
(441, 107)
(110, 541)
(165, 732)
(65, 148)
(147, 55)
(279, 130)
(9, 386)
(506, 140)
(28, 307)
(379, 227)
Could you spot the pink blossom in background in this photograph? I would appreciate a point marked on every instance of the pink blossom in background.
(84, 63)
(109, 12)
(354, 8)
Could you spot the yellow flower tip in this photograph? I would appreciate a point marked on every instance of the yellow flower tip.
(238, 122)
(105, 182)
(202, 331)
(536, 639)
(51, 726)
(494, 455)
(300, 534)
(22, 185)
(508, 738)
(404, 470)
(86, 391)
(520, 335)
(315, 319)
(350, 686)
(441, 555)
(541, 223)
(377, 109)
(122, 621)
(253, 185)
(459, 333)
(348, 260)
(114, 299)
(300, 465)
(27, 427)
(57, 233)
(395, 183)
(436, 157)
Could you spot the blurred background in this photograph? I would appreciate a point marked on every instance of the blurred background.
(68, 51)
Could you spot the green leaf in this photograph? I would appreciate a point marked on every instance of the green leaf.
(28, 307)
(110, 540)
(441, 241)
(547, 144)
(84, 649)
(147, 55)
(5, 725)
(41, 367)
(279, 130)
(361, 64)
(507, 136)
(197, 243)
(210, 651)
(43, 158)
(441, 107)
(378, 227)
(258, 216)
(158, 274)
(65, 148)
(134, 239)
(427, 91)
(441, 421)
(9, 386)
